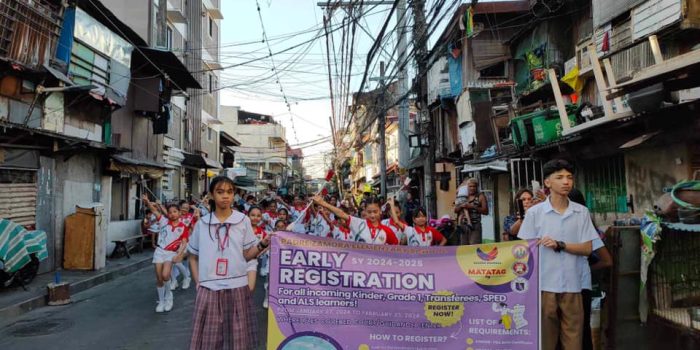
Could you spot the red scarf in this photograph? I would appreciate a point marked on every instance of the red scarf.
(343, 229)
(423, 232)
(260, 232)
(373, 229)
(175, 245)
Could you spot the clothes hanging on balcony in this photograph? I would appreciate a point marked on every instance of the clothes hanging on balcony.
(162, 121)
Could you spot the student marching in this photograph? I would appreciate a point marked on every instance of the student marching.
(224, 242)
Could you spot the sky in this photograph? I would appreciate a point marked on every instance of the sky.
(300, 74)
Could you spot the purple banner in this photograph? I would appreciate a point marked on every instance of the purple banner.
(329, 294)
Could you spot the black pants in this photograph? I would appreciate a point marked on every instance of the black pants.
(587, 296)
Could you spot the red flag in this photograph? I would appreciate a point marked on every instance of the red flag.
(329, 175)
(324, 191)
(606, 42)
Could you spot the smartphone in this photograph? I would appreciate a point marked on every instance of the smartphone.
(521, 208)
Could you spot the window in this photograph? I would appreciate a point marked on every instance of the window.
(211, 83)
(169, 38)
(211, 26)
(498, 70)
(210, 134)
(604, 185)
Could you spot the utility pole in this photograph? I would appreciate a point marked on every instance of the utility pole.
(420, 43)
(404, 150)
(334, 162)
(381, 119)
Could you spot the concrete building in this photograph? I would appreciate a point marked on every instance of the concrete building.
(188, 29)
(96, 134)
(265, 147)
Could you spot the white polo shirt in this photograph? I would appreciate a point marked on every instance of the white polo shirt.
(319, 227)
(208, 247)
(559, 272)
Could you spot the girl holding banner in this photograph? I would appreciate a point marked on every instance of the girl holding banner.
(221, 245)
(369, 230)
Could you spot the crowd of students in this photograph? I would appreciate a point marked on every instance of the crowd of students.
(226, 238)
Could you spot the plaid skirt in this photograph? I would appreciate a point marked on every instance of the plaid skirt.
(224, 319)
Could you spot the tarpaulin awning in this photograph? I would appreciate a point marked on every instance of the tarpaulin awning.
(137, 166)
(496, 165)
(200, 162)
(212, 164)
(171, 65)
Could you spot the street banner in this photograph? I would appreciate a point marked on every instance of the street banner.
(330, 294)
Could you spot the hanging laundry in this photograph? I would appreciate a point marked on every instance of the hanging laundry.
(572, 79)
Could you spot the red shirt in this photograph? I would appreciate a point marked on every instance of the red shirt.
(260, 232)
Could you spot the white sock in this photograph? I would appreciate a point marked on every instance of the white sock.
(161, 293)
(168, 292)
(182, 269)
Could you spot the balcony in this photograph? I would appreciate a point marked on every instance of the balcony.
(176, 11)
(20, 20)
(213, 8)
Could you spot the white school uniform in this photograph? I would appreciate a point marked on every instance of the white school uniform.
(221, 261)
(559, 272)
(343, 234)
(586, 282)
(167, 234)
(417, 237)
(295, 213)
(374, 235)
(400, 234)
(264, 259)
(269, 221)
(319, 227)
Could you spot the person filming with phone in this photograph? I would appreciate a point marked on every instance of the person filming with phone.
(511, 224)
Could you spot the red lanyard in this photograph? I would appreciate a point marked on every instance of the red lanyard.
(223, 243)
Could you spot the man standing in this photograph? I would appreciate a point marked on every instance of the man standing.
(565, 233)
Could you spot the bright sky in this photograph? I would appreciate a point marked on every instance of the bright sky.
(302, 71)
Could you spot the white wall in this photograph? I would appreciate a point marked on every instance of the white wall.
(75, 183)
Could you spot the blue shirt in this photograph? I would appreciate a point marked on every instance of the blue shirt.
(559, 272)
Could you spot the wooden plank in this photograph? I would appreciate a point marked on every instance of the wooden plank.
(561, 107)
(680, 62)
(655, 49)
(5, 205)
(600, 81)
(18, 195)
(3, 185)
(9, 213)
(79, 242)
(611, 79)
(25, 222)
(15, 189)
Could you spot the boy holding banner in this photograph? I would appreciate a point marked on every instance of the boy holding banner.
(565, 233)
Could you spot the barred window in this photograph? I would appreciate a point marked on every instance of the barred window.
(604, 184)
